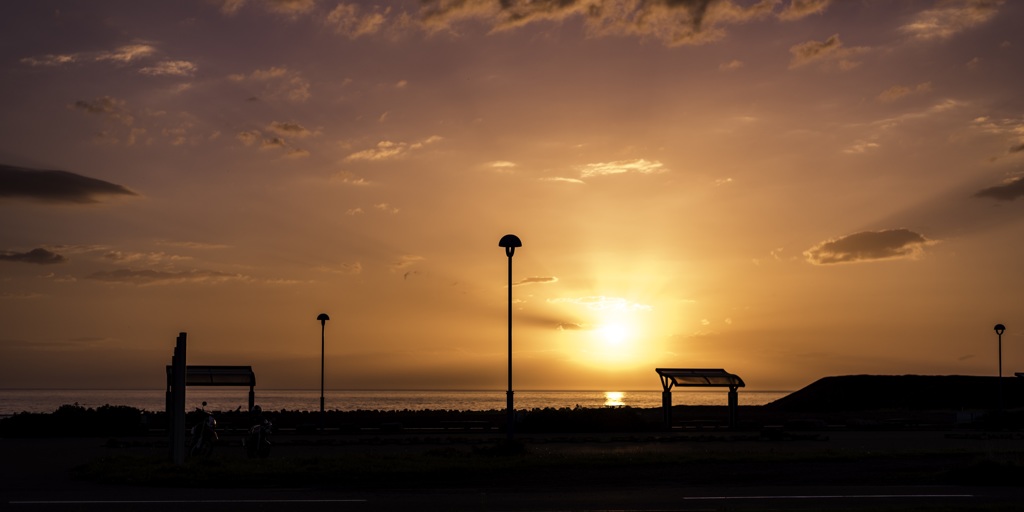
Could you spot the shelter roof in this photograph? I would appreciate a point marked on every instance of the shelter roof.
(196, 375)
(698, 377)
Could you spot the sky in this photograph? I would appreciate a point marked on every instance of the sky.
(786, 189)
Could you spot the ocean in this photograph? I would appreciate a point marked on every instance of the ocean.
(13, 401)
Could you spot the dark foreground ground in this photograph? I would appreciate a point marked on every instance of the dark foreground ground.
(458, 470)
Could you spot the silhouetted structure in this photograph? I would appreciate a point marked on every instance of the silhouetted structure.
(510, 242)
(180, 376)
(1000, 329)
(698, 377)
(323, 318)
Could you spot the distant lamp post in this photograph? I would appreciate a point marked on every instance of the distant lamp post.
(1000, 329)
(323, 322)
(510, 242)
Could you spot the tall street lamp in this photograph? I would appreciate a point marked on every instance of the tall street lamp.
(323, 322)
(509, 242)
(1000, 329)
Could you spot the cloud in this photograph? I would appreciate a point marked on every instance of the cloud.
(51, 60)
(861, 147)
(829, 53)
(602, 303)
(289, 7)
(55, 186)
(502, 165)
(530, 280)
(387, 208)
(731, 65)
(569, 326)
(349, 178)
(564, 180)
(39, 256)
(157, 277)
(255, 138)
(640, 166)
(249, 137)
(344, 268)
(798, 9)
(289, 129)
(349, 21)
(111, 108)
(1009, 190)
(899, 91)
(149, 258)
(868, 246)
(127, 53)
(386, 150)
(672, 22)
(405, 262)
(272, 143)
(1013, 129)
(278, 83)
(170, 68)
(950, 18)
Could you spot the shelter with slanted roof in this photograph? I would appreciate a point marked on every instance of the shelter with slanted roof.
(699, 377)
(197, 375)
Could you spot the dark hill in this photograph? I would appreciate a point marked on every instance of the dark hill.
(903, 392)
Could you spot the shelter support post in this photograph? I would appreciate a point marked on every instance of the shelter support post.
(252, 397)
(666, 407)
(734, 402)
(176, 414)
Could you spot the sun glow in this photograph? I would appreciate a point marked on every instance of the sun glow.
(614, 334)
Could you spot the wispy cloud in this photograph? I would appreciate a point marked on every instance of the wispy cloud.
(732, 65)
(351, 21)
(602, 303)
(799, 9)
(405, 262)
(171, 68)
(55, 186)
(868, 246)
(899, 91)
(639, 166)
(673, 23)
(289, 129)
(828, 54)
(277, 83)
(148, 258)
(158, 277)
(386, 150)
(564, 180)
(38, 256)
(950, 18)
(349, 178)
(532, 280)
(112, 108)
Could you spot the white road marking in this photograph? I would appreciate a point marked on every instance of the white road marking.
(153, 502)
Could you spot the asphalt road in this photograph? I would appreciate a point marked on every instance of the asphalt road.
(36, 476)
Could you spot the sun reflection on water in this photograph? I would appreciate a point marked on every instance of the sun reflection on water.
(614, 399)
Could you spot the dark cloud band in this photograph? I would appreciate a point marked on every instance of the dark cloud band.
(38, 256)
(55, 186)
(868, 246)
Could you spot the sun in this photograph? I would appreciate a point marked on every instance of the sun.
(614, 334)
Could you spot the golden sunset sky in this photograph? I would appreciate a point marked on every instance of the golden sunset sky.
(784, 189)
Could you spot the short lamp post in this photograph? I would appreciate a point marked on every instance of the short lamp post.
(323, 322)
(510, 242)
(1000, 329)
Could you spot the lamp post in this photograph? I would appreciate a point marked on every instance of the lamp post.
(509, 242)
(323, 322)
(1000, 329)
